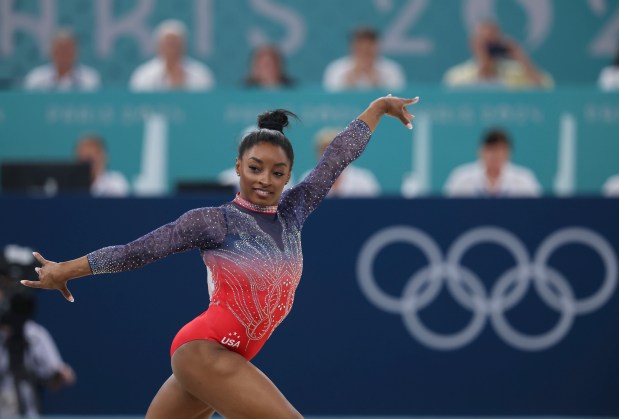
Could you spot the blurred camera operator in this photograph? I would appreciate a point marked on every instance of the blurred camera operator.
(29, 358)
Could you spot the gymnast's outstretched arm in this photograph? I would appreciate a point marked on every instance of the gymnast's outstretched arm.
(199, 228)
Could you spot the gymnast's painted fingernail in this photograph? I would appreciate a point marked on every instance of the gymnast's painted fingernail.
(409, 126)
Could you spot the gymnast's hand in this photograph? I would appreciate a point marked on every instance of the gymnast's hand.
(388, 105)
(54, 276)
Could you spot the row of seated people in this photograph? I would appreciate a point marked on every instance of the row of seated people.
(491, 175)
(496, 61)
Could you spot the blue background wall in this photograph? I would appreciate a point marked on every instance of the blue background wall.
(337, 353)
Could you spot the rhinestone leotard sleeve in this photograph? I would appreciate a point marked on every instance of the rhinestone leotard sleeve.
(202, 228)
(303, 198)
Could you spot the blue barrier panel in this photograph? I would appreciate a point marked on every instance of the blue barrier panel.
(422, 307)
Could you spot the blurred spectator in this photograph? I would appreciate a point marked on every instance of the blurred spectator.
(609, 77)
(364, 68)
(267, 69)
(171, 69)
(497, 61)
(29, 358)
(63, 73)
(493, 174)
(105, 183)
(353, 182)
(611, 187)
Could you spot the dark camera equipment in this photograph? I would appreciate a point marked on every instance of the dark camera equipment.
(497, 49)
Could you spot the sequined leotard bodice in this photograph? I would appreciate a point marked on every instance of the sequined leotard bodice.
(252, 253)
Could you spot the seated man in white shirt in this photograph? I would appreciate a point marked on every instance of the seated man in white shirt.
(493, 175)
(105, 183)
(364, 68)
(171, 69)
(63, 73)
(353, 182)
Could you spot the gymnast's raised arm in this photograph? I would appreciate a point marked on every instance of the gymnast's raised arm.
(343, 150)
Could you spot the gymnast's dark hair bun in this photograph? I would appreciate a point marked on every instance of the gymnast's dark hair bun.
(276, 119)
(271, 126)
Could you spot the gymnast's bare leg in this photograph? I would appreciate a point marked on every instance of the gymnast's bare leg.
(172, 401)
(209, 377)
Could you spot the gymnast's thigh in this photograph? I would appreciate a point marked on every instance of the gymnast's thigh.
(228, 382)
(172, 401)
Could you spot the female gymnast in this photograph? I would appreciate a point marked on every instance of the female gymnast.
(252, 250)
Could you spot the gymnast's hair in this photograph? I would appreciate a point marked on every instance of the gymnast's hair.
(270, 130)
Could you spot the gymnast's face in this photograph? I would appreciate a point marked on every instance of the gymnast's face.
(264, 170)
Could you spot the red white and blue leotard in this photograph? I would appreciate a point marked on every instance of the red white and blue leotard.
(252, 253)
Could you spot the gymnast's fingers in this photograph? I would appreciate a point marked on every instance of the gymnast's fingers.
(406, 116)
(406, 120)
(67, 294)
(32, 284)
(411, 101)
(39, 258)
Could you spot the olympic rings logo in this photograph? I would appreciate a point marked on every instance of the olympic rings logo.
(468, 290)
